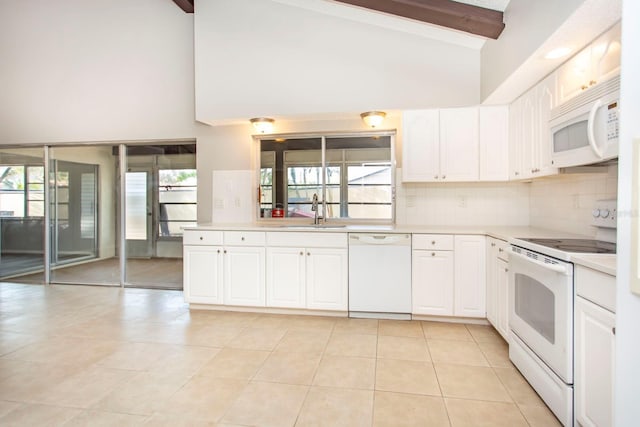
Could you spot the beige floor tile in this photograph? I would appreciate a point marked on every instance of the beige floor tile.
(470, 382)
(257, 339)
(25, 384)
(356, 326)
(478, 413)
(519, 389)
(136, 356)
(404, 348)
(204, 335)
(171, 420)
(497, 354)
(336, 407)
(346, 372)
(457, 352)
(267, 404)
(359, 345)
(446, 331)
(406, 376)
(269, 321)
(203, 397)
(400, 328)
(141, 394)
(410, 410)
(304, 341)
(289, 368)
(539, 416)
(6, 407)
(39, 415)
(235, 363)
(11, 341)
(484, 333)
(184, 360)
(84, 388)
(10, 367)
(316, 323)
(65, 351)
(105, 419)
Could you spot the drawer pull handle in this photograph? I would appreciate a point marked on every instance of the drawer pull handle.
(613, 330)
(225, 251)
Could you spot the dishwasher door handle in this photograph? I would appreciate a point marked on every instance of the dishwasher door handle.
(382, 239)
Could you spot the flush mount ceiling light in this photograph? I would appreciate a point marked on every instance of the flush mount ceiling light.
(558, 53)
(262, 124)
(373, 119)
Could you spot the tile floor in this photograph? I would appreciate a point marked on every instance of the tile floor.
(80, 355)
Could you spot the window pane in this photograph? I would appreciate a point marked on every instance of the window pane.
(35, 174)
(35, 208)
(370, 194)
(63, 211)
(136, 205)
(87, 205)
(178, 212)
(174, 229)
(178, 177)
(178, 195)
(11, 178)
(370, 211)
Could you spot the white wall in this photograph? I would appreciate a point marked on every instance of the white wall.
(528, 25)
(564, 202)
(77, 70)
(627, 375)
(264, 58)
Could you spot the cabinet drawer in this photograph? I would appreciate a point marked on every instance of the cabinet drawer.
(440, 242)
(202, 237)
(597, 287)
(305, 240)
(244, 238)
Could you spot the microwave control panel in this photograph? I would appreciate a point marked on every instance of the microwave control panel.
(612, 121)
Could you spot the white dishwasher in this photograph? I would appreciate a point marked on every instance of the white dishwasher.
(380, 275)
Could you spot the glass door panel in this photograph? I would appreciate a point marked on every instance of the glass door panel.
(22, 221)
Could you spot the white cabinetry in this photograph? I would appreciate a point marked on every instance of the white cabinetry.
(494, 143)
(440, 145)
(244, 268)
(448, 275)
(470, 276)
(202, 257)
(596, 63)
(530, 152)
(497, 285)
(307, 270)
(594, 347)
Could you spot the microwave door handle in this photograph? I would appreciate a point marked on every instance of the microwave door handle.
(591, 136)
(554, 267)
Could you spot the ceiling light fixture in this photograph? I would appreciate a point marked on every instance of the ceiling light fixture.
(559, 52)
(262, 124)
(373, 119)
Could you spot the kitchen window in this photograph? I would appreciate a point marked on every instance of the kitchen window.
(352, 175)
(21, 191)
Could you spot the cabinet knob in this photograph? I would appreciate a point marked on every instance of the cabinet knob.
(301, 253)
(218, 250)
(435, 177)
(613, 330)
(433, 254)
(592, 82)
(583, 87)
(308, 253)
(500, 250)
(225, 251)
(201, 238)
(517, 173)
(493, 245)
(444, 176)
(506, 270)
(242, 238)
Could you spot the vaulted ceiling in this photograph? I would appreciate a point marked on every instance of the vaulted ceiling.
(478, 17)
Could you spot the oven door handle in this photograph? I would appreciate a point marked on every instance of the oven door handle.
(554, 267)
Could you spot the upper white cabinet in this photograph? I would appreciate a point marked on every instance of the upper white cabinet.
(596, 63)
(529, 134)
(494, 143)
(440, 145)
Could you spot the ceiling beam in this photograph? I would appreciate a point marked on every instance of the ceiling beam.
(446, 13)
(186, 5)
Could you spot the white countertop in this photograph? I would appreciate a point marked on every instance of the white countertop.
(604, 263)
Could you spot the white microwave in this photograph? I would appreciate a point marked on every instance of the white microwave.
(584, 130)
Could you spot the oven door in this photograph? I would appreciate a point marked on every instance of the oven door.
(541, 308)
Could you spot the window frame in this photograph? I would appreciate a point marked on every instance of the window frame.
(343, 165)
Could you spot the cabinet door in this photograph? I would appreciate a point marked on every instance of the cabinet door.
(327, 278)
(502, 300)
(529, 131)
(594, 364)
(545, 102)
(470, 276)
(286, 277)
(244, 277)
(492, 282)
(202, 274)
(515, 140)
(605, 55)
(459, 148)
(420, 145)
(494, 143)
(432, 282)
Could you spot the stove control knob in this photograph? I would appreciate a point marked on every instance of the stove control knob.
(595, 213)
(604, 213)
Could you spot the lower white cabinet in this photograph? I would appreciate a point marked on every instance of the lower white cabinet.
(244, 276)
(327, 279)
(594, 364)
(432, 282)
(497, 285)
(203, 274)
(286, 277)
(448, 275)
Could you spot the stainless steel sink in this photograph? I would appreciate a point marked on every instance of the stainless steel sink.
(312, 226)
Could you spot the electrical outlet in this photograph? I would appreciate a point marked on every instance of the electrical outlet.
(462, 201)
(411, 201)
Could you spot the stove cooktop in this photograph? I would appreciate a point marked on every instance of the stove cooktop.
(582, 246)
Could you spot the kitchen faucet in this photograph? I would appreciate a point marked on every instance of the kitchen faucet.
(314, 208)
